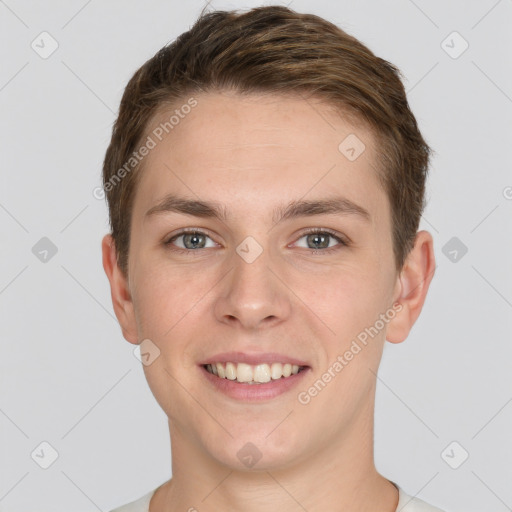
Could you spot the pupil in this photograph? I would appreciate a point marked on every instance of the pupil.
(315, 239)
(193, 238)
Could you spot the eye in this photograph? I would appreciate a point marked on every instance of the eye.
(192, 239)
(320, 239)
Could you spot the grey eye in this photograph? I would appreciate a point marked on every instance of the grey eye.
(320, 240)
(191, 240)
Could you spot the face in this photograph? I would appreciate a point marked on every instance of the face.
(255, 285)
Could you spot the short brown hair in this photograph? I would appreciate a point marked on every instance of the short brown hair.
(274, 50)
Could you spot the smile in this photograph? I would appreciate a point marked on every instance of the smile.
(253, 374)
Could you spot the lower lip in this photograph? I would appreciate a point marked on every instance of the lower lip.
(254, 392)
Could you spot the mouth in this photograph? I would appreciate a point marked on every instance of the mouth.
(253, 374)
(253, 383)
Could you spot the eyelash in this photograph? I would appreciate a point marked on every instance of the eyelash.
(343, 241)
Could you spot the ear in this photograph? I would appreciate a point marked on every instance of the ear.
(121, 298)
(412, 286)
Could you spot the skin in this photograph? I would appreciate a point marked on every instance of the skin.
(253, 153)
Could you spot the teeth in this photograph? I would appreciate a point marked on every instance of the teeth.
(230, 371)
(220, 371)
(244, 373)
(252, 374)
(262, 373)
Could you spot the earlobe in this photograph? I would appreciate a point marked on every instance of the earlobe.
(119, 290)
(412, 285)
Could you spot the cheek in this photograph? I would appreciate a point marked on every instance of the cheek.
(161, 299)
(346, 299)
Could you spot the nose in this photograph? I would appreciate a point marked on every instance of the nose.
(252, 295)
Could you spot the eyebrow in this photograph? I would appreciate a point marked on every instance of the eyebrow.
(300, 208)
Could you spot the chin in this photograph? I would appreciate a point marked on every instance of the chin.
(257, 451)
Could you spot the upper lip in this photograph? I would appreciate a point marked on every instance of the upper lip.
(252, 358)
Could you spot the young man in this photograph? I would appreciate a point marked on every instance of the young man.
(265, 182)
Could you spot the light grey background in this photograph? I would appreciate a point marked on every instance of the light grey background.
(70, 379)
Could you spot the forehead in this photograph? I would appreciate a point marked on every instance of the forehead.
(246, 149)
